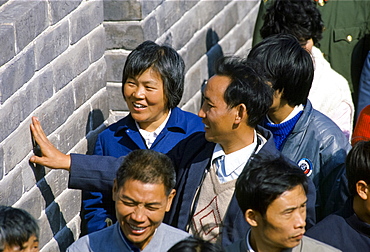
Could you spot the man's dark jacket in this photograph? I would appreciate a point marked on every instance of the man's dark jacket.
(191, 157)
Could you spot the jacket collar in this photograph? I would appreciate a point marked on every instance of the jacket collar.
(176, 123)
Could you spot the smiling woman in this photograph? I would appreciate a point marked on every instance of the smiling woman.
(152, 86)
(144, 95)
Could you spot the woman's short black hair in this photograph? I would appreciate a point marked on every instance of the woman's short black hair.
(162, 59)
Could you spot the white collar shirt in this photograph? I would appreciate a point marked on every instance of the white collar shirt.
(232, 164)
(149, 137)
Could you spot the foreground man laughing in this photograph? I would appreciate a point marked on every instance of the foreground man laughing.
(143, 193)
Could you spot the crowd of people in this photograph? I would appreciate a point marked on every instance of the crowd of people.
(272, 153)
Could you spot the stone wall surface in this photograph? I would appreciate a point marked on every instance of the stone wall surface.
(62, 61)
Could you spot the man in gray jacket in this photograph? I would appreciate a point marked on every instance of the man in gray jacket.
(301, 133)
(272, 195)
(143, 193)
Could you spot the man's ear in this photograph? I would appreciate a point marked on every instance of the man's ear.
(114, 190)
(252, 217)
(241, 113)
(362, 189)
(169, 199)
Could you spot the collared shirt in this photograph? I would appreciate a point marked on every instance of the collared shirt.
(150, 137)
(292, 114)
(233, 164)
(247, 241)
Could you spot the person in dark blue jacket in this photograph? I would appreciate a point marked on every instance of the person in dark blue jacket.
(349, 228)
(207, 163)
(152, 86)
(301, 133)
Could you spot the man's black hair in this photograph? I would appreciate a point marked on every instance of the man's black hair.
(246, 87)
(301, 18)
(265, 179)
(16, 227)
(286, 66)
(147, 166)
(358, 165)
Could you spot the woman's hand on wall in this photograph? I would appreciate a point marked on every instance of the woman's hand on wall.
(48, 154)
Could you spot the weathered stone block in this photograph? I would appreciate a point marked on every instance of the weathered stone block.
(13, 184)
(55, 111)
(30, 18)
(30, 173)
(90, 82)
(85, 19)
(115, 62)
(73, 130)
(229, 20)
(38, 90)
(46, 235)
(195, 20)
(193, 105)
(60, 9)
(71, 63)
(69, 203)
(19, 70)
(195, 49)
(124, 35)
(97, 44)
(7, 42)
(121, 10)
(9, 116)
(32, 202)
(168, 13)
(51, 44)
(17, 146)
(55, 183)
(150, 27)
(149, 6)
(194, 78)
(246, 8)
(1, 162)
(115, 96)
(100, 110)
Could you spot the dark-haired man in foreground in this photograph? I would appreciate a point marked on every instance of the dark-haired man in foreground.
(143, 193)
(272, 196)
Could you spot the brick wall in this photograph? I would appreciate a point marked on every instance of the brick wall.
(62, 61)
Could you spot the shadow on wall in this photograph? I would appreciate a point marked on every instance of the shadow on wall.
(62, 234)
(214, 53)
(95, 119)
(53, 213)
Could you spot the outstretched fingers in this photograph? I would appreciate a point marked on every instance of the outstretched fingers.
(48, 155)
